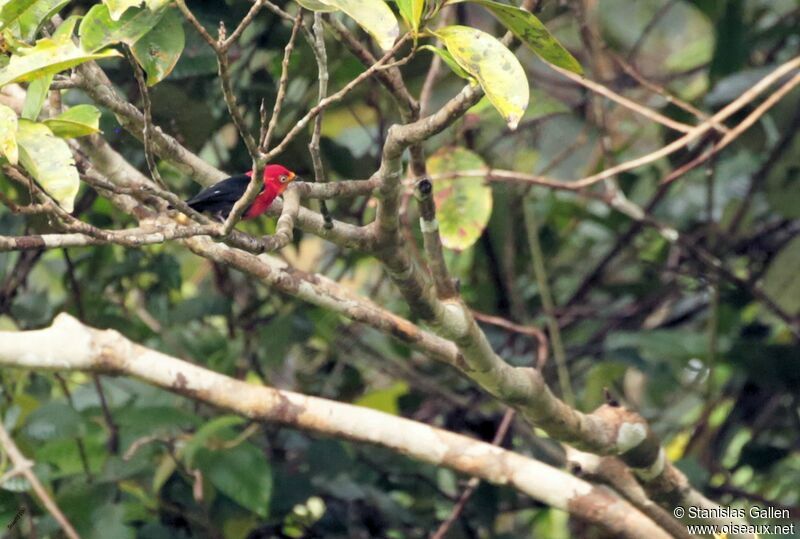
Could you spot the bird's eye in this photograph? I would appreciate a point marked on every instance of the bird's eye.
(283, 178)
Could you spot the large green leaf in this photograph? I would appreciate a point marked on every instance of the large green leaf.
(494, 66)
(35, 96)
(8, 134)
(78, 121)
(118, 7)
(530, 30)
(374, 16)
(159, 49)
(211, 429)
(49, 160)
(411, 10)
(99, 30)
(54, 420)
(463, 203)
(242, 473)
(36, 15)
(11, 10)
(48, 56)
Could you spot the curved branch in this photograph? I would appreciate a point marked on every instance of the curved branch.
(70, 345)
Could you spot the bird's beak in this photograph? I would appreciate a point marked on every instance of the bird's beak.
(292, 177)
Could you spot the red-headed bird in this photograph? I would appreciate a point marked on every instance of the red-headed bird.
(220, 197)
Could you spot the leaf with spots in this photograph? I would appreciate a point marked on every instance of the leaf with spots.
(495, 67)
(159, 50)
(449, 60)
(463, 201)
(374, 16)
(316, 5)
(8, 134)
(530, 30)
(49, 160)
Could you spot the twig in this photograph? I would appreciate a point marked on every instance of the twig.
(532, 229)
(429, 225)
(313, 147)
(533, 331)
(25, 466)
(474, 482)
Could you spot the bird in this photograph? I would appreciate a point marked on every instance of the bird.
(220, 197)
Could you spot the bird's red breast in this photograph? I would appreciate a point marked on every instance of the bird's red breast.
(276, 179)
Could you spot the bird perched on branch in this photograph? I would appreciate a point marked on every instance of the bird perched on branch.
(220, 197)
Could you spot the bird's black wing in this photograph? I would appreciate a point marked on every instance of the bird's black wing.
(220, 197)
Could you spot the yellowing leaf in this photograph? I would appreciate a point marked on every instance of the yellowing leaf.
(374, 16)
(384, 400)
(36, 15)
(48, 56)
(449, 60)
(49, 160)
(530, 30)
(78, 121)
(463, 203)
(159, 49)
(411, 10)
(494, 66)
(316, 5)
(8, 134)
(12, 9)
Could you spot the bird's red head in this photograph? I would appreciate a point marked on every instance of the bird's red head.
(277, 177)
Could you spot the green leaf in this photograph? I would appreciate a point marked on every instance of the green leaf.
(99, 30)
(530, 30)
(449, 60)
(118, 7)
(11, 11)
(374, 16)
(204, 433)
(53, 421)
(8, 134)
(49, 161)
(463, 202)
(78, 121)
(412, 10)
(782, 280)
(242, 473)
(159, 50)
(35, 96)
(384, 400)
(494, 66)
(39, 13)
(48, 56)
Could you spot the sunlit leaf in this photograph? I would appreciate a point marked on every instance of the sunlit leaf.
(384, 400)
(494, 66)
(159, 49)
(118, 7)
(411, 10)
(463, 203)
(316, 5)
(449, 60)
(8, 134)
(99, 30)
(530, 30)
(49, 160)
(78, 121)
(36, 15)
(48, 56)
(374, 16)
(11, 10)
(35, 96)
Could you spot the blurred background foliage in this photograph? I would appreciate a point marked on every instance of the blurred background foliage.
(713, 370)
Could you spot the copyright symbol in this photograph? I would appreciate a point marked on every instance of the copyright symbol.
(678, 512)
